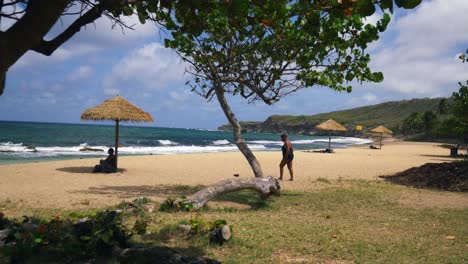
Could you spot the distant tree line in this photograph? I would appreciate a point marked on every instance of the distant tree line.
(450, 121)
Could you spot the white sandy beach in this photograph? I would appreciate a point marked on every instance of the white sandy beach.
(70, 183)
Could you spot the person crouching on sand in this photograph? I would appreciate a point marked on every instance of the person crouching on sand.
(288, 156)
(107, 165)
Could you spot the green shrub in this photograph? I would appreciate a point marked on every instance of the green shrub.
(176, 205)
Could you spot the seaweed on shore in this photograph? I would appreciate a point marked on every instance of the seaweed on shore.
(449, 176)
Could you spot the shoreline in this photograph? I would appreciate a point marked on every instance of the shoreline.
(70, 184)
(103, 154)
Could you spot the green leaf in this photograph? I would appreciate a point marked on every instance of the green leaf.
(85, 238)
(73, 215)
(365, 8)
(128, 11)
(377, 77)
(387, 4)
(106, 237)
(38, 240)
(141, 17)
(382, 24)
(408, 4)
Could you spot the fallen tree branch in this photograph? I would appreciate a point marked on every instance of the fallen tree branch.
(265, 186)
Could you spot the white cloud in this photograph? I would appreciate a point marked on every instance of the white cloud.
(366, 99)
(151, 67)
(418, 58)
(370, 97)
(103, 33)
(92, 38)
(80, 73)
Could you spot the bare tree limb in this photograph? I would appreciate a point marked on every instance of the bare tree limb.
(48, 47)
(264, 186)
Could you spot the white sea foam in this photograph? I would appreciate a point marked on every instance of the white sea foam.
(342, 140)
(20, 150)
(265, 142)
(167, 142)
(221, 142)
(13, 147)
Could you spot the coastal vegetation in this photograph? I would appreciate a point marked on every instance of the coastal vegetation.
(391, 114)
(343, 220)
(440, 119)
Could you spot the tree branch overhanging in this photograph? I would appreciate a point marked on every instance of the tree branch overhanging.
(48, 47)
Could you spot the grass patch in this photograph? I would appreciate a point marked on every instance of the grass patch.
(352, 221)
(323, 180)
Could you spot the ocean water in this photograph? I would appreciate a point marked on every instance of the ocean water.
(31, 142)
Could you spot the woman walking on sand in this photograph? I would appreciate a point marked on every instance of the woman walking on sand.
(288, 156)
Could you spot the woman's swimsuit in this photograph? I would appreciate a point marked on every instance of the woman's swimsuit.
(290, 156)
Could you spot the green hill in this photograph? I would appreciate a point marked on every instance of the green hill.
(389, 114)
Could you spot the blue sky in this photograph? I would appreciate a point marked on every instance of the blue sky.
(417, 54)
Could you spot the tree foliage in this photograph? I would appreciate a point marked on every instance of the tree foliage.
(430, 122)
(264, 50)
(443, 108)
(413, 124)
(458, 124)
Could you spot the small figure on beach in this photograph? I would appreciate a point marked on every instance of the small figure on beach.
(373, 147)
(108, 165)
(288, 156)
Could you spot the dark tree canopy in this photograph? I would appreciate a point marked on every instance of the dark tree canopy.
(31, 20)
(264, 50)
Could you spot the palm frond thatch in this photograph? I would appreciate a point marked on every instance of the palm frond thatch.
(331, 125)
(382, 129)
(117, 109)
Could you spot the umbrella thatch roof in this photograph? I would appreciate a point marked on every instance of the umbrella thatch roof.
(381, 129)
(117, 109)
(331, 125)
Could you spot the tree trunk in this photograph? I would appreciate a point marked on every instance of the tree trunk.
(236, 129)
(265, 186)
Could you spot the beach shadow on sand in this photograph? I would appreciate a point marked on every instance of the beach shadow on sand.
(84, 169)
(446, 158)
(165, 236)
(245, 197)
(132, 191)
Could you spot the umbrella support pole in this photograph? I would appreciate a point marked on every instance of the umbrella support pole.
(329, 141)
(380, 141)
(116, 141)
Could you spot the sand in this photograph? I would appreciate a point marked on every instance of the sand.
(70, 184)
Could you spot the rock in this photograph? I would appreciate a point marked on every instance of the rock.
(450, 237)
(184, 229)
(220, 235)
(31, 147)
(91, 149)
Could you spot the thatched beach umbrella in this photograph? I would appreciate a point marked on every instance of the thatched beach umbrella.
(330, 125)
(381, 130)
(117, 109)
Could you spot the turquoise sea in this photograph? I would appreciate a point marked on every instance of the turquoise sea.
(31, 141)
